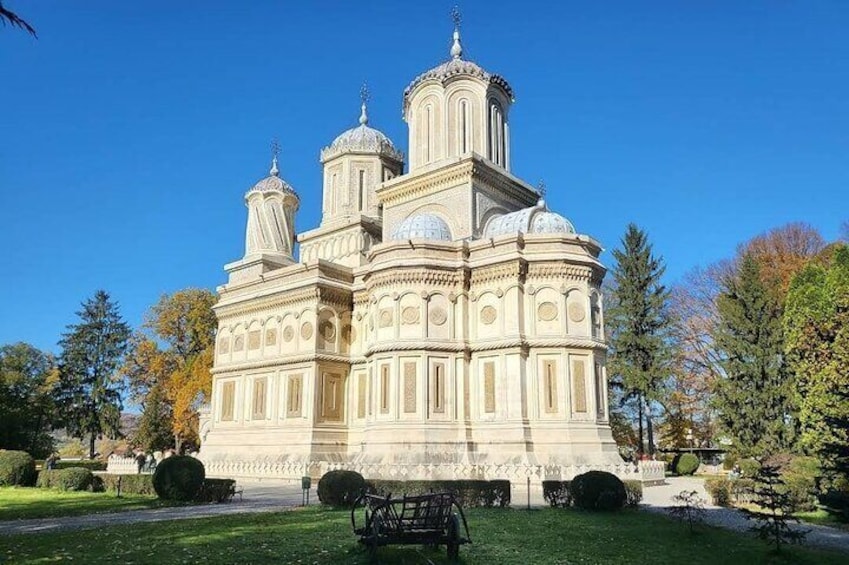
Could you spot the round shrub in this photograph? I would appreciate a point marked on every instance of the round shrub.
(178, 478)
(74, 478)
(598, 490)
(17, 468)
(340, 489)
(686, 464)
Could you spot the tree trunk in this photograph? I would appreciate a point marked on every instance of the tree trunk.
(178, 444)
(640, 424)
(91, 446)
(649, 430)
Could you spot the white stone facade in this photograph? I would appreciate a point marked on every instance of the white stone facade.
(440, 323)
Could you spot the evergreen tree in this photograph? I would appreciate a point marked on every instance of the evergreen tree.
(752, 399)
(156, 421)
(639, 326)
(774, 508)
(88, 393)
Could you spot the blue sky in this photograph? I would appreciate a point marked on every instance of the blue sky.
(130, 131)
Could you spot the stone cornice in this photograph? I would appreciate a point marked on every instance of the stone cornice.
(279, 362)
(508, 270)
(417, 345)
(558, 271)
(415, 276)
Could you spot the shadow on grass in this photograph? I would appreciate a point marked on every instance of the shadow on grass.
(323, 536)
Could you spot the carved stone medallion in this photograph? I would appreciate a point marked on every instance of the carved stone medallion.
(410, 315)
(385, 319)
(547, 311)
(270, 337)
(306, 330)
(577, 312)
(288, 334)
(239, 343)
(438, 316)
(488, 315)
(327, 330)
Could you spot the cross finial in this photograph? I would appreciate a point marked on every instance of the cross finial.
(275, 151)
(456, 48)
(541, 188)
(365, 96)
(456, 16)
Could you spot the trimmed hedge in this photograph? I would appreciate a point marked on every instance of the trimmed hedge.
(685, 463)
(598, 490)
(719, 491)
(216, 490)
(178, 478)
(557, 493)
(633, 493)
(90, 464)
(72, 478)
(485, 494)
(341, 488)
(17, 468)
(130, 484)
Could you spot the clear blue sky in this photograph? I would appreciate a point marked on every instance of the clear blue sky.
(130, 131)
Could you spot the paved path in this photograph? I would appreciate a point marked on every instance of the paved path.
(659, 499)
(258, 496)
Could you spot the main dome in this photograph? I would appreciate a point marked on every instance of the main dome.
(362, 139)
(454, 68)
(423, 226)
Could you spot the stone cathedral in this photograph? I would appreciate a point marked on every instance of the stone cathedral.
(440, 323)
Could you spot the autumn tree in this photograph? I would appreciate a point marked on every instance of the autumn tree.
(27, 410)
(782, 252)
(753, 396)
(816, 322)
(88, 393)
(639, 324)
(169, 362)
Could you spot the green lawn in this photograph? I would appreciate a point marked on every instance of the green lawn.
(316, 535)
(19, 503)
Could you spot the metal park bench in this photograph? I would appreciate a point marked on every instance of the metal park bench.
(426, 519)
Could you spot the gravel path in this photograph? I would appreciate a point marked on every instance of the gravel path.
(264, 496)
(659, 499)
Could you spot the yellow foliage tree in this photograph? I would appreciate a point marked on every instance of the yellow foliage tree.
(175, 353)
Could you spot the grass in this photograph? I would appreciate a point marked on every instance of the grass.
(17, 503)
(317, 535)
(822, 518)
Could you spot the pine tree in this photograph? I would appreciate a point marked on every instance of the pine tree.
(639, 326)
(88, 393)
(774, 508)
(753, 398)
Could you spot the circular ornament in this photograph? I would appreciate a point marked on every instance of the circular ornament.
(306, 330)
(547, 311)
(410, 315)
(385, 318)
(327, 330)
(288, 334)
(577, 313)
(438, 316)
(488, 315)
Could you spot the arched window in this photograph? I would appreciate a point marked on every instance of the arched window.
(496, 133)
(361, 191)
(595, 316)
(463, 118)
(428, 134)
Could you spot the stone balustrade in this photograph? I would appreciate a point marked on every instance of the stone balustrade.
(118, 465)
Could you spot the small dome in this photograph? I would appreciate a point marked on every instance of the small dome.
(423, 226)
(362, 139)
(273, 182)
(549, 222)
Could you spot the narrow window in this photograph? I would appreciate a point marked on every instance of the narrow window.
(331, 397)
(384, 389)
(361, 396)
(549, 370)
(409, 388)
(258, 412)
(437, 389)
(361, 200)
(333, 194)
(228, 401)
(464, 126)
(428, 133)
(579, 387)
(293, 400)
(599, 391)
(489, 387)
